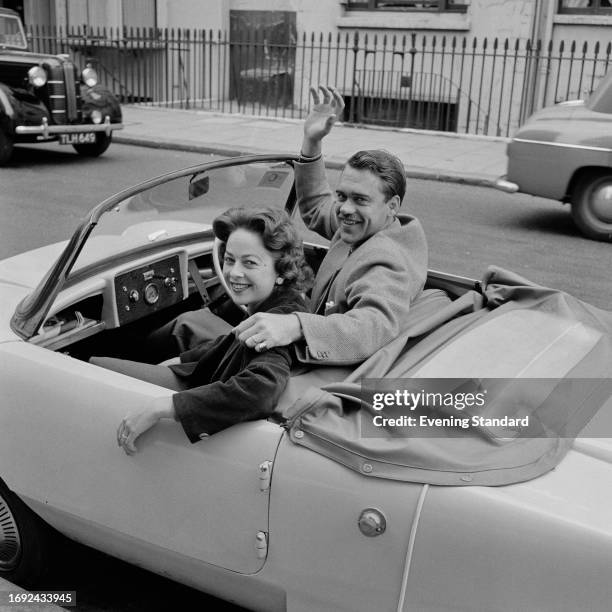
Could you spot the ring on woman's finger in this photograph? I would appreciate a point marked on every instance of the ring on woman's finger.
(262, 345)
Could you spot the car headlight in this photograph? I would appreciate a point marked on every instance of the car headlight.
(89, 76)
(96, 116)
(37, 76)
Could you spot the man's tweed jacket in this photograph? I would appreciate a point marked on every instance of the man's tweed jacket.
(361, 297)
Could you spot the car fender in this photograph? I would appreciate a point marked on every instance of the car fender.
(99, 98)
(16, 109)
(8, 110)
(492, 548)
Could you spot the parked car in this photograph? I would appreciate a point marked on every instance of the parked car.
(564, 152)
(46, 98)
(319, 507)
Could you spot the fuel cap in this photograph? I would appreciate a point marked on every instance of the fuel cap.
(372, 522)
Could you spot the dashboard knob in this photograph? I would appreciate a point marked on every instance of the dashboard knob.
(133, 295)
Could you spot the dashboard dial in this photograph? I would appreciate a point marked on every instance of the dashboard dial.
(151, 293)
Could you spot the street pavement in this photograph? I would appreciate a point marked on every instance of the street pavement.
(445, 156)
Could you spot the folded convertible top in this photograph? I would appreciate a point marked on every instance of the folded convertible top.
(540, 353)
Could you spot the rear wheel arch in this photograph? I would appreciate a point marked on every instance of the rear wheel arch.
(590, 194)
(578, 175)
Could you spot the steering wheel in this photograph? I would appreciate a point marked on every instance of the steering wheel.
(219, 270)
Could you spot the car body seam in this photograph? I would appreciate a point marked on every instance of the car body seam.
(410, 550)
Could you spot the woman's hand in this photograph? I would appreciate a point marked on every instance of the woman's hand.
(139, 421)
(324, 114)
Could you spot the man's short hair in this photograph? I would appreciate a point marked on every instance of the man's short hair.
(384, 165)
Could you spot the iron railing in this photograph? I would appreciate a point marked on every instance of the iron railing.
(467, 85)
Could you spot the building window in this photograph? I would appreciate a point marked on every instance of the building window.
(139, 13)
(585, 7)
(96, 14)
(456, 6)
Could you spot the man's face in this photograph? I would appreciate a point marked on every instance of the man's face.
(363, 209)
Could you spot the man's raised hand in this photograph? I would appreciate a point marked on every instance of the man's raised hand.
(328, 108)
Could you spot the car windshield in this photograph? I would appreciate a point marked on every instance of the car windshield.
(11, 32)
(175, 209)
(166, 211)
(182, 207)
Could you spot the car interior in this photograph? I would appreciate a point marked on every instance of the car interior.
(110, 306)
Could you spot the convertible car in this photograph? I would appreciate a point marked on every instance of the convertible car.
(464, 466)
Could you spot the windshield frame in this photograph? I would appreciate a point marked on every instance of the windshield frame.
(9, 15)
(32, 310)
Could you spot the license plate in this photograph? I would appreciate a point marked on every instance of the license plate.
(80, 138)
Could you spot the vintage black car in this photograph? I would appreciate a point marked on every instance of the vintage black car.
(44, 98)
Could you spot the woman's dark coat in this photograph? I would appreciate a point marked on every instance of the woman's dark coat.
(229, 382)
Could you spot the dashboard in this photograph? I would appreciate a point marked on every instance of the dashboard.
(125, 294)
(147, 289)
(131, 291)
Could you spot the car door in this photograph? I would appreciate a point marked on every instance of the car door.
(206, 501)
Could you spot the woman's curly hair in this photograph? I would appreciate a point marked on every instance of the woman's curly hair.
(278, 235)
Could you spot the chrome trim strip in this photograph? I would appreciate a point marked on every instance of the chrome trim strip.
(68, 129)
(562, 145)
(410, 551)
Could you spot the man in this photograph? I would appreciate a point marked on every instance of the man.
(375, 267)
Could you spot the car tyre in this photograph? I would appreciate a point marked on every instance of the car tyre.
(24, 541)
(6, 148)
(592, 205)
(94, 150)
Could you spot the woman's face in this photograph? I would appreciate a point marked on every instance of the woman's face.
(248, 268)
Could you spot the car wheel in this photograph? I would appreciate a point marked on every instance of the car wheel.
(94, 150)
(592, 205)
(6, 148)
(24, 541)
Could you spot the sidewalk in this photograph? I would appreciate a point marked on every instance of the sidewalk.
(476, 160)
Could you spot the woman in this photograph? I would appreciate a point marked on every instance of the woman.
(223, 382)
